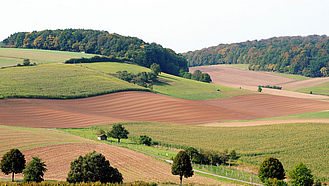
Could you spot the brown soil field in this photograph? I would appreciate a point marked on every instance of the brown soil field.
(304, 84)
(133, 166)
(145, 106)
(237, 77)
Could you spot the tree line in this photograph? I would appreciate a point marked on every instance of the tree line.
(307, 56)
(102, 43)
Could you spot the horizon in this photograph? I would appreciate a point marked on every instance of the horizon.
(180, 25)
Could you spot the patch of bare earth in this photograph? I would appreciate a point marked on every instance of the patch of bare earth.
(132, 165)
(145, 106)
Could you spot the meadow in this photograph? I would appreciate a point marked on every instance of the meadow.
(13, 56)
(58, 81)
(172, 85)
(322, 89)
(290, 143)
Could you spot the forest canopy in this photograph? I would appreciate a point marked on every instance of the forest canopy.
(308, 56)
(102, 43)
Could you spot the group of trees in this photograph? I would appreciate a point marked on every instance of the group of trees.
(197, 75)
(91, 168)
(144, 79)
(13, 162)
(308, 56)
(211, 157)
(103, 43)
(272, 172)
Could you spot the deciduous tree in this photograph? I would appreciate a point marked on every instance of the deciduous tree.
(92, 168)
(271, 167)
(155, 68)
(300, 175)
(12, 162)
(182, 166)
(35, 170)
(119, 132)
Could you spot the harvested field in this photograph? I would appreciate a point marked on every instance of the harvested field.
(304, 84)
(237, 77)
(134, 166)
(145, 106)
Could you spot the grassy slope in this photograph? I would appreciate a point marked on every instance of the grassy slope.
(13, 56)
(33, 137)
(322, 89)
(58, 81)
(290, 143)
(172, 85)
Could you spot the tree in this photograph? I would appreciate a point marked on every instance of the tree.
(26, 62)
(205, 78)
(92, 168)
(119, 132)
(155, 68)
(145, 140)
(324, 72)
(35, 170)
(12, 162)
(182, 166)
(300, 175)
(271, 167)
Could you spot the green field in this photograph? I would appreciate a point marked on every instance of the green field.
(290, 143)
(322, 89)
(58, 81)
(172, 85)
(33, 137)
(13, 56)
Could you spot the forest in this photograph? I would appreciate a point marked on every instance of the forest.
(307, 56)
(102, 43)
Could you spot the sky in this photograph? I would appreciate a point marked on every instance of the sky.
(182, 25)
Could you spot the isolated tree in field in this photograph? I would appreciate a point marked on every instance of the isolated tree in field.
(119, 132)
(26, 62)
(182, 166)
(271, 167)
(143, 139)
(35, 170)
(300, 175)
(12, 162)
(92, 168)
(155, 68)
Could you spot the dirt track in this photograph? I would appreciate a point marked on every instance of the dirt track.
(145, 106)
(132, 165)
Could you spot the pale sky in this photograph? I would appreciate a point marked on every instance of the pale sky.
(182, 25)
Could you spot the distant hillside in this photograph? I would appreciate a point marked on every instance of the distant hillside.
(100, 42)
(306, 56)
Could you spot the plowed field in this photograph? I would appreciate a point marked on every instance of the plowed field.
(145, 106)
(133, 166)
(245, 79)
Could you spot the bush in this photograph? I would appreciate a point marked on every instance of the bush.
(145, 140)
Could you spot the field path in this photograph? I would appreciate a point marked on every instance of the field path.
(133, 166)
(146, 106)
